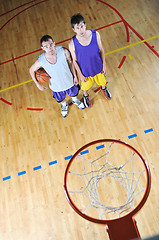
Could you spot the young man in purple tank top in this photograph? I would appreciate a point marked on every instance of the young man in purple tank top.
(57, 62)
(88, 57)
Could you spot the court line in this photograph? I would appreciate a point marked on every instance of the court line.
(116, 50)
(35, 109)
(148, 130)
(131, 45)
(147, 44)
(5, 101)
(53, 162)
(69, 157)
(37, 168)
(108, 53)
(21, 173)
(6, 178)
(63, 41)
(84, 152)
(132, 136)
(20, 13)
(122, 61)
(121, 17)
(130, 57)
(17, 8)
(127, 25)
(17, 85)
(99, 147)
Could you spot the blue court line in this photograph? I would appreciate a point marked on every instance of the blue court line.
(132, 136)
(37, 168)
(53, 162)
(148, 130)
(68, 157)
(99, 147)
(6, 178)
(21, 173)
(84, 152)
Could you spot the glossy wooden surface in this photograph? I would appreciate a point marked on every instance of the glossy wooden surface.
(33, 133)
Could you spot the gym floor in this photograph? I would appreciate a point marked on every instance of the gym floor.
(36, 141)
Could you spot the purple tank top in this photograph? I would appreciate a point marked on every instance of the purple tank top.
(88, 57)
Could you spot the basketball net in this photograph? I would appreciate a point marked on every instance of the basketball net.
(94, 177)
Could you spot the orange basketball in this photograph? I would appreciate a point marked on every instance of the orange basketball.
(42, 76)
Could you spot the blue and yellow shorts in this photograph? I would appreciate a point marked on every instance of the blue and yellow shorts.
(100, 79)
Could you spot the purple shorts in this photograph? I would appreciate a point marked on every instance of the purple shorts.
(60, 96)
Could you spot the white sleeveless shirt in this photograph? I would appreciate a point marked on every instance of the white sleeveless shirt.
(61, 76)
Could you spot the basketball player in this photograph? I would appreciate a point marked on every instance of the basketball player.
(88, 57)
(58, 64)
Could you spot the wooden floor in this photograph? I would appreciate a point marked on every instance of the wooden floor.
(33, 133)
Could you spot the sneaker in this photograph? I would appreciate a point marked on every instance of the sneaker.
(79, 104)
(87, 101)
(106, 92)
(64, 110)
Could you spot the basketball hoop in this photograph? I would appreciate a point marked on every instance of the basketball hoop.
(107, 182)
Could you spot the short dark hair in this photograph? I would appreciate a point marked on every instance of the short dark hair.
(76, 19)
(45, 38)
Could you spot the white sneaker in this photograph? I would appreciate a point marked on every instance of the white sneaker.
(79, 104)
(64, 110)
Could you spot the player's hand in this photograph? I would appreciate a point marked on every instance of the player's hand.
(104, 69)
(83, 79)
(41, 87)
(75, 80)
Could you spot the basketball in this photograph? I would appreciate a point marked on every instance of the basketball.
(42, 76)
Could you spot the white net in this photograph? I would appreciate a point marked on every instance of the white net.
(107, 181)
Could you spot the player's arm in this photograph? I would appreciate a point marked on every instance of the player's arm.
(75, 62)
(70, 63)
(32, 71)
(101, 52)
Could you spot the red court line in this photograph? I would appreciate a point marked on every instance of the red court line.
(35, 109)
(20, 56)
(68, 39)
(97, 89)
(22, 12)
(5, 101)
(146, 43)
(17, 8)
(122, 61)
(128, 26)
(123, 20)
(127, 30)
(95, 29)
(108, 25)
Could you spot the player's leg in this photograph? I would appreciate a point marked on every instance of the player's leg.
(77, 102)
(106, 92)
(85, 86)
(60, 98)
(64, 110)
(101, 80)
(73, 92)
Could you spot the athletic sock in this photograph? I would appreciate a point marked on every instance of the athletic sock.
(74, 99)
(64, 103)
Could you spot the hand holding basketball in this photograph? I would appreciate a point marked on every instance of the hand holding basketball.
(41, 87)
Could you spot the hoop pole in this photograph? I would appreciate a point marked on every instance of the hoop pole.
(125, 229)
